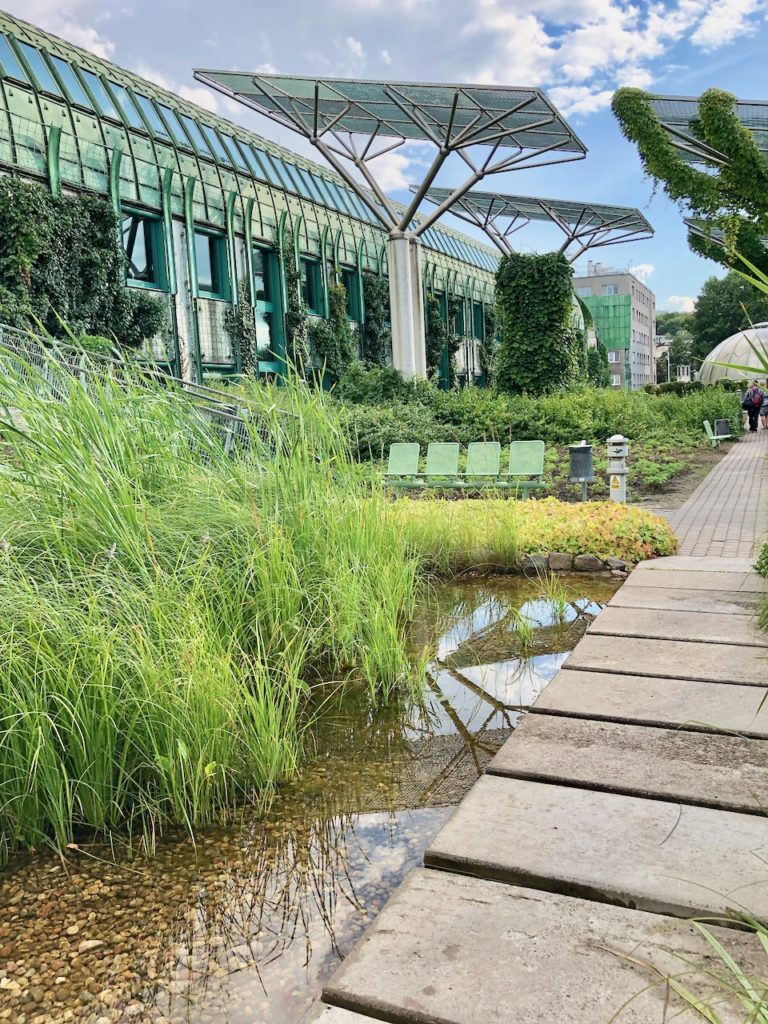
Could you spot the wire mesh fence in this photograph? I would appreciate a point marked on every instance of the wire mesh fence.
(32, 358)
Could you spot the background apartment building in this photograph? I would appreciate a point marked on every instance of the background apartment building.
(624, 311)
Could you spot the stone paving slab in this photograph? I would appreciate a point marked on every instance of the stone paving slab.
(706, 627)
(454, 950)
(321, 1013)
(692, 580)
(694, 564)
(727, 602)
(715, 663)
(664, 764)
(668, 703)
(650, 855)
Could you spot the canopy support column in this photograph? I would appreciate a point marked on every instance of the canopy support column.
(406, 303)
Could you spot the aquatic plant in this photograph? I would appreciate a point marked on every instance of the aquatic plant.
(164, 608)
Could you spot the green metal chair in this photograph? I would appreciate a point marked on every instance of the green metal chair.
(715, 439)
(526, 466)
(403, 464)
(483, 459)
(442, 464)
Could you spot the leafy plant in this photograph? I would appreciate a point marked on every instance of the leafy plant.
(332, 341)
(436, 335)
(376, 334)
(538, 347)
(295, 318)
(240, 324)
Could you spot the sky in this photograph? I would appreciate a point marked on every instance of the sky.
(578, 51)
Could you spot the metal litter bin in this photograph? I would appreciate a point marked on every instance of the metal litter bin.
(581, 466)
(722, 428)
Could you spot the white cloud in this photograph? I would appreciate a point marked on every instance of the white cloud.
(643, 271)
(199, 94)
(580, 99)
(725, 21)
(70, 20)
(385, 57)
(355, 47)
(267, 68)
(389, 170)
(678, 304)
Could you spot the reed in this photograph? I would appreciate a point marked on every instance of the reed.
(165, 609)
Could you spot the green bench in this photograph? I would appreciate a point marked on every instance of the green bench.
(715, 439)
(524, 472)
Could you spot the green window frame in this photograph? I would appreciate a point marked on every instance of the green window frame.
(126, 107)
(10, 62)
(40, 71)
(96, 88)
(478, 321)
(351, 281)
(72, 85)
(211, 264)
(267, 307)
(144, 249)
(312, 285)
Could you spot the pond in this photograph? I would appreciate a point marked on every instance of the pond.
(245, 925)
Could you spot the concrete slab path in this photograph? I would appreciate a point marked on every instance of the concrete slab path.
(637, 781)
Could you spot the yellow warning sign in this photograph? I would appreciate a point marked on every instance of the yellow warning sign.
(615, 482)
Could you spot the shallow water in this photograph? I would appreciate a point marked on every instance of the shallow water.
(248, 923)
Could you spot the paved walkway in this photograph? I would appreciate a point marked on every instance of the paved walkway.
(728, 512)
(631, 797)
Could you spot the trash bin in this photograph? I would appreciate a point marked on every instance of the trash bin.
(581, 466)
(722, 428)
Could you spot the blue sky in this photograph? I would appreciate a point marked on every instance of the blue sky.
(580, 51)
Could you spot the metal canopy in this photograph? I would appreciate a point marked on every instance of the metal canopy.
(587, 225)
(679, 114)
(514, 127)
(710, 233)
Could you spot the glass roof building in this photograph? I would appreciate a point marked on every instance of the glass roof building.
(205, 204)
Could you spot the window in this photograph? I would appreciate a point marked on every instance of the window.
(234, 150)
(614, 357)
(40, 69)
(458, 322)
(616, 380)
(71, 83)
(351, 281)
(478, 321)
(211, 259)
(100, 94)
(584, 293)
(269, 164)
(311, 285)
(170, 119)
(10, 63)
(265, 298)
(214, 144)
(151, 116)
(130, 114)
(610, 289)
(197, 137)
(143, 247)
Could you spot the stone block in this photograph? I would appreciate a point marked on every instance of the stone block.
(535, 564)
(560, 561)
(617, 563)
(588, 563)
(728, 602)
(706, 627)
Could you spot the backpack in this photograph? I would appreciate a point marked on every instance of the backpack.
(757, 398)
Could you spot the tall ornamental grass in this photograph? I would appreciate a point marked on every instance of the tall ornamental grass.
(165, 608)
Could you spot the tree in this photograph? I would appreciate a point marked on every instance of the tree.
(725, 306)
(729, 199)
(671, 323)
(680, 354)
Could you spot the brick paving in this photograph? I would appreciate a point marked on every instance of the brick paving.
(727, 514)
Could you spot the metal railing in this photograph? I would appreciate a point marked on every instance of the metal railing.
(236, 422)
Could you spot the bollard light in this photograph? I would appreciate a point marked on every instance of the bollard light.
(618, 447)
(581, 466)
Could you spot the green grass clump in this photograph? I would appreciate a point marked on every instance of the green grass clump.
(164, 608)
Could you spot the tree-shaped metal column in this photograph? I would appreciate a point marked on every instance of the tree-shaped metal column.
(352, 123)
(585, 225)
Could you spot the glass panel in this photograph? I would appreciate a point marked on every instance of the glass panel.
(100, 94)
(209, 259)
(250, 154)
(130, 114)
(40, 70)
(309, 185)
(281, 172)
(263, 333)
(71, 83)
(214, 144)
(321, 186)
(139, 243)
(261, 285)
(292, 179)
(349, 280)
(152, 116)
(310, 284)
(177, 133)
(198, 139)
(10, 63)
(269, 168)
(237, 156)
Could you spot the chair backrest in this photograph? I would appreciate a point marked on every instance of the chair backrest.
(403, 458)
(708, 429)
(442, 459)
(526, 458)
(483, 458)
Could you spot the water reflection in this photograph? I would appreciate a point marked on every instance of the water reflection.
(246, 925)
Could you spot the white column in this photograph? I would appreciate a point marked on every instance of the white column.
(406, 305)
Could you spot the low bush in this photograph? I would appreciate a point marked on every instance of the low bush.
(495, 533)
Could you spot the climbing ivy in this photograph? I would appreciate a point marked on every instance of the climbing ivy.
(376, 334)
(62, 263)
(332, 341)
(295, 319)
(731, 197)
(240, 325)
(598, 371)
(538, 346)
(435, 335)
(487, 353)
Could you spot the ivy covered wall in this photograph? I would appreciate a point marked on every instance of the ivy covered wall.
(61, 261)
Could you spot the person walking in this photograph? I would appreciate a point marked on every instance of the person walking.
(752, 404)
(764, 412)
